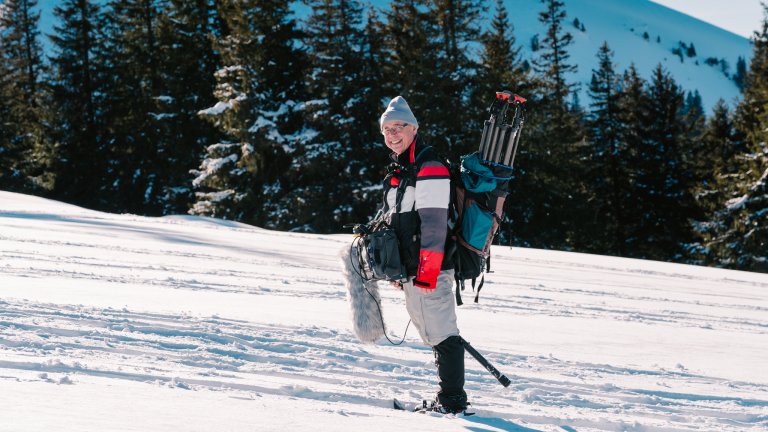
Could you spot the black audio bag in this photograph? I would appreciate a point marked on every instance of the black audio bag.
(382, 255)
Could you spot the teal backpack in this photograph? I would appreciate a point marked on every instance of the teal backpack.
(480, 185)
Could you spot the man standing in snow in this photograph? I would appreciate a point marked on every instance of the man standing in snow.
(417, 191)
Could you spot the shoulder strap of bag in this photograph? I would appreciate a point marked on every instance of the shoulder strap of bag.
(410, 176)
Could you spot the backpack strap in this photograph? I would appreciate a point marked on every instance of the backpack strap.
(401, 192)
(459, 282)
(417, 159)
(410, 176)
(459, 289)
(479, 287)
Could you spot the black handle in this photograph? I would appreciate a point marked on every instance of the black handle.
(486, 364)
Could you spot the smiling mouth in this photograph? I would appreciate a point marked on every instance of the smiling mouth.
(393, 142)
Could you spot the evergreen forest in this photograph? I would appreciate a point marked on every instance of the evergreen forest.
(236, 109)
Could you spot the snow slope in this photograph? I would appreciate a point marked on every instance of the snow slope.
(623, 24)
(127, 323)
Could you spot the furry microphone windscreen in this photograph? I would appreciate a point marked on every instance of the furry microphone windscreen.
(364, 299)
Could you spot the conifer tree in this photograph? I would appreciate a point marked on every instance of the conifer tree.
(11, 153)
(634, 117)
(501, 66)
(134, 68)
(24, 149)
(723, 142)
(324, 168)
(79, 85)
(412, 58)
(719, 138)
(737, 235)
(740, 74)
(722, 138)
(607, 173)
(699, 155)
(11, 177)
(663, 177)
(456, 27)
(373, 91)
(366, 167)
(552, 64)
(549, 185)
(187, 66)
(258, 90)
(407, 38)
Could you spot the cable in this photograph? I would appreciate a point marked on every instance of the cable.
(378, 305)
(359, 259)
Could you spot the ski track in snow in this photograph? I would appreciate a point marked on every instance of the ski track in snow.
(60, 343)
(63, 344)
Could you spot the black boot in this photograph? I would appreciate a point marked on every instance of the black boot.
(449, 358)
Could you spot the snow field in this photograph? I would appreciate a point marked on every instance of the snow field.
(120, 322)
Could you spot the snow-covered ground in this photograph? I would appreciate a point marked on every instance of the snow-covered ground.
(126, 323)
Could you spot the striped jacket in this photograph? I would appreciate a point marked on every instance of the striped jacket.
(421, 184)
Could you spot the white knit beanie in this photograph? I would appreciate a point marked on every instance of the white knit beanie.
(398, 109)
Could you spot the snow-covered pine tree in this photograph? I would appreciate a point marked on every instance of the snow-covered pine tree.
(79, 84)
(326, 162)
(721, 138)
(365, 170)
(11, 153)
(25, 151)
(373, 90)
(187, 66)
(257, 88)
(737, 235)
(134, 61)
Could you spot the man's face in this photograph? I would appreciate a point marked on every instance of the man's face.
(398, 135)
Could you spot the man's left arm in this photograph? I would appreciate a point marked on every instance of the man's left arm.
(433, 194)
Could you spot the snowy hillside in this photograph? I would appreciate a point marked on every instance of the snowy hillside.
(624, 25)
(120, 322)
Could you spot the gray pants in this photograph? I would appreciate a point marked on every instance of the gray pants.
(433, 314)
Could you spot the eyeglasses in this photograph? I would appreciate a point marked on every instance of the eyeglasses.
(396, 129)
